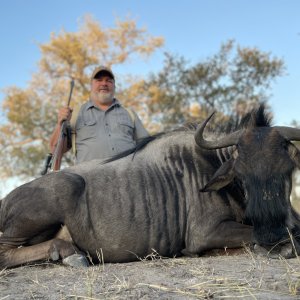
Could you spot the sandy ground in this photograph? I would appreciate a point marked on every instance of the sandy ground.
(239, 276)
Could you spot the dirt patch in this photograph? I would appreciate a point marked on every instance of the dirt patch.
(245, 276)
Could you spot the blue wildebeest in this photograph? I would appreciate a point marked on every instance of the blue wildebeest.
(179, 194)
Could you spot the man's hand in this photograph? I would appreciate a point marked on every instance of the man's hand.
(64, 114)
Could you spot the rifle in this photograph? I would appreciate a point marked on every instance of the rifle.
(53, 160)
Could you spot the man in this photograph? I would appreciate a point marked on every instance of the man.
(103, 126)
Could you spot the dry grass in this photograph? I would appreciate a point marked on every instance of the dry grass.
(244, 276)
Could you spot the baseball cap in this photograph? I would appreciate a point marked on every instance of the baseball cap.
(102, 69)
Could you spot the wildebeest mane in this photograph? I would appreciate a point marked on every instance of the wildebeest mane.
(141, 143)
(255, 118)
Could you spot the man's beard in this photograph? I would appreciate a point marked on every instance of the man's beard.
(102, 98)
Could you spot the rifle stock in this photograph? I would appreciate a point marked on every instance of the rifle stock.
(58, 153)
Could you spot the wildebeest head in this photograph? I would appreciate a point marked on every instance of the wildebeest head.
(263, 161)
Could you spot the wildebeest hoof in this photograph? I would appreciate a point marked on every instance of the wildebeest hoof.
(76, 260)
(287, 251)
(259, 250)
(54, 254)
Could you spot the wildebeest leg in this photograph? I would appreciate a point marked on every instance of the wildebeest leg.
(60, 247)
(227, 234)
(74, 260)
(32, 215)
(10, 256)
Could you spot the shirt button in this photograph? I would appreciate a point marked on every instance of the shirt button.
(113, 148)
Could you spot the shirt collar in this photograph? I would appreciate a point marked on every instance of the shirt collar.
(90, 104)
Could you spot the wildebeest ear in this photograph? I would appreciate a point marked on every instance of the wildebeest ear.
(221, 178)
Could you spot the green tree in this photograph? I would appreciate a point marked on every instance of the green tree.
(233, 80)
(31, 112)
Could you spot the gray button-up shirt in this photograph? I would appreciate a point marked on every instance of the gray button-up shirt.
(102, 134)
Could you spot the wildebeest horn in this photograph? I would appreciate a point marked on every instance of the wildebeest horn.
(228, 140)
(289, 133)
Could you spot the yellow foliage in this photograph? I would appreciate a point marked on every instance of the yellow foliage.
(195, 110)
(155, 93)
(31, 113)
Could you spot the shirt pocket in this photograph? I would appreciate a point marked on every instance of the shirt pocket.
(86, 129)
(125, 125)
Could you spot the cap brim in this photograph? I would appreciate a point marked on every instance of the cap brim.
(104, 70)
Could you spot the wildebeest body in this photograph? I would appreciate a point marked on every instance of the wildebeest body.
(129, 207)
(150, 202)
(173, 197)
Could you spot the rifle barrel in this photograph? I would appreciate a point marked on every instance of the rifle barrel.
(71, 91)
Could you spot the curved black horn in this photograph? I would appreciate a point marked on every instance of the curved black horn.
(289, 133)
(228, 140)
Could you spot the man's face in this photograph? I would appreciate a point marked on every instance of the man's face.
(103, 89)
